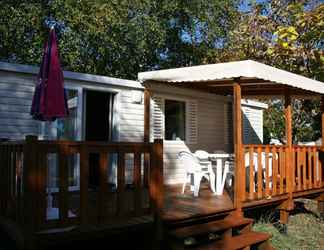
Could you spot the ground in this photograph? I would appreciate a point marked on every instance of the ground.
(305, 229)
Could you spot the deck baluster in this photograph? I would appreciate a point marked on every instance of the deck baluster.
(84, 180)
(304, 168)
(121, 184)
(274, 170)
(137, 182)
(310, 167)
(299, 160)
(260, 170)
(281, 170)
(251, 173)
(103, 187)
(293, 168)
(267, 181)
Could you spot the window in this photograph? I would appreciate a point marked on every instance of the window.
(175, 120)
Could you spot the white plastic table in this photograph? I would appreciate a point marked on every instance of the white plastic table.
(220, 175)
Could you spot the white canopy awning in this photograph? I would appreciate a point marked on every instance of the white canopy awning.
(223, 71)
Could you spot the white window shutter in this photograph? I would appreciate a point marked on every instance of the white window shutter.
(192, 122)
(157, 120)
(228, 125)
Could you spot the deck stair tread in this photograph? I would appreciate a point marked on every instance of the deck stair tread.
(237, 242)
(210, 227)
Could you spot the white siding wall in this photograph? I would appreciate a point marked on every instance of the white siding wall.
(211, 130)
(16, 92)
(131, 124)
(131, 116)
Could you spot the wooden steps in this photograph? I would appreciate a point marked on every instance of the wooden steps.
(211, 227)
(240, 242)
(228, 233)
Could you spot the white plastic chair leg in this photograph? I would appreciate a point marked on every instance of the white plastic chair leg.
(191, 181)
(184, 186)
(212, 181)
(226, 170)
(185, 183)
(197, 180)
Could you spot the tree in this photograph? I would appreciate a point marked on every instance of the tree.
(287, 35)
(116, 37)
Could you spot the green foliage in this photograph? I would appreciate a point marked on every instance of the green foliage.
(288, 35)
(120, 38)
(116, 37)
(274, 120)
(21, 32)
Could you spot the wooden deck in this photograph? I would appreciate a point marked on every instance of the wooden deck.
(23, 198)
(180, 207)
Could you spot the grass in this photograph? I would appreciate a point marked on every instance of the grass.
(305, 229)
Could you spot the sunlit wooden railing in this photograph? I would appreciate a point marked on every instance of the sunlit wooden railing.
(307, 167)
(264, 171)
(267, 170)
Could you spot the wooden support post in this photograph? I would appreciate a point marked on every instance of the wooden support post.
(320, 201)
(320, 207)
(30, 182)
(238, 147)
(30, 190)
(147, 109)
(288, 205)
(289, 168)
(322, 118)
(63, 184)
(321, 171)
(157, 174)
(157, 187)
(284, 215)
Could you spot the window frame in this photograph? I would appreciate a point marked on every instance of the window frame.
(180, 98)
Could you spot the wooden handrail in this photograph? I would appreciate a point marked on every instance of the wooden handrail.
(262, 146)
(292, 169)
(35, 161)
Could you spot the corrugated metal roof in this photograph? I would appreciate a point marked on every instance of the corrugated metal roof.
(230, 70)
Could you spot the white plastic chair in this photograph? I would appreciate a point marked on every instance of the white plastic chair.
(221, 176)
(203, 157)
(196, 170)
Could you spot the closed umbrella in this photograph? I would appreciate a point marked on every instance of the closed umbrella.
(49, 101)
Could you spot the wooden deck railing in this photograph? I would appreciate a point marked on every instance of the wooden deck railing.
(270, 172)
(11, 155)
(92, 206)
(307, 167)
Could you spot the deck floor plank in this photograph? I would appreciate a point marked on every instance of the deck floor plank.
(179, 206)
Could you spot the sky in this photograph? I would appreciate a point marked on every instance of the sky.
(244, 5)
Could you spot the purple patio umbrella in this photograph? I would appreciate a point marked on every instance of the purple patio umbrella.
(49, 101)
